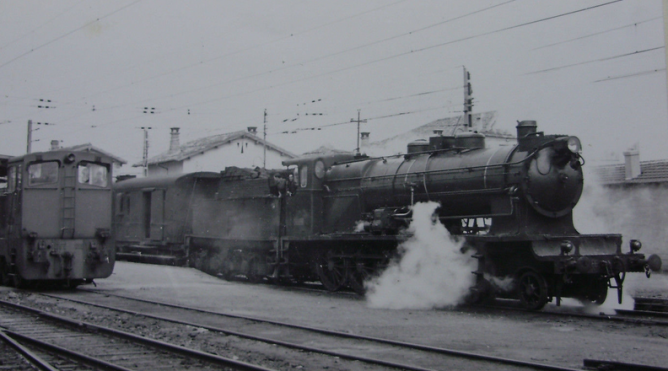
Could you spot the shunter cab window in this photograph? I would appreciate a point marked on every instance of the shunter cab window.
(11, 179)
(92, 174)
(303, 176)
(43, 173)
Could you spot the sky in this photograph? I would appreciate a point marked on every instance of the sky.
(105, 69)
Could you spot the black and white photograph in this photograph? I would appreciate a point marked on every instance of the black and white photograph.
(333, 185)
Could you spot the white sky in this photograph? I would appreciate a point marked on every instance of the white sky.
(102, 62)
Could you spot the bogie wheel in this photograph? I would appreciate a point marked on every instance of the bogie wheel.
(332, 270)
(533, 291)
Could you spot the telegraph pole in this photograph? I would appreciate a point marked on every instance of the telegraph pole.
(145, 155)
(358, 121)
(468, 99)
(29, 136)
(264, 144)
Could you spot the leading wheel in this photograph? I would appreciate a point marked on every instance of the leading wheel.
(597, 293)
(533, 291)
(256, 269)
(332, 270)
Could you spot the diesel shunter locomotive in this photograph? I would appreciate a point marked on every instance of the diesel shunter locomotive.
(56, 219)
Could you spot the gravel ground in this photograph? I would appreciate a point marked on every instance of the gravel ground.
(524, 336)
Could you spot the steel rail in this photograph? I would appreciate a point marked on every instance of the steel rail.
(599, 317)
(612, 365)
(425, 348)
(33, 358)
(212, 358)
(91, 361)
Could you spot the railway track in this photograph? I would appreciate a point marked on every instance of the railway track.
(639, 315)
(383, 353)
(77, 345)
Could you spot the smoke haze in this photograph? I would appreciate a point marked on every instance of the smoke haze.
(431, 271)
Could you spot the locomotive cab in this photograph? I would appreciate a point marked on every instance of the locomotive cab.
(56, 222)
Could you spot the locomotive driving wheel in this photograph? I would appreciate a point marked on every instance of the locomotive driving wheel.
(359, 271)
(332, 270)
(533, 290)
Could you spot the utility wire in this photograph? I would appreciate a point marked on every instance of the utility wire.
(631, 75)
(244, 50)
(68, 33)
(42, 25)
(597, 33)
(410, 52)
(595, 60)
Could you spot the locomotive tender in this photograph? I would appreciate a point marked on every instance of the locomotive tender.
(56, 219)
(512, 207)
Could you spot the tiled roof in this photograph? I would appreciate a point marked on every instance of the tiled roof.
(650, 172)
(199, 146)
(91, 148)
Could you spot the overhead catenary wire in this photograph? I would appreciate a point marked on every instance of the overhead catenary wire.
(67, 34)
(597, 33)
(412, 32)
(596, 60)
(374, 61)
(42, 25)
(410, 52)
(631, 75)
(192, 65)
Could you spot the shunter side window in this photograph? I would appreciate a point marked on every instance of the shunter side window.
(303, 176)
(11, 179)
(43, 173)
(92, 174)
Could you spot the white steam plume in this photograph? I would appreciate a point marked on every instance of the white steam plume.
(431, 272)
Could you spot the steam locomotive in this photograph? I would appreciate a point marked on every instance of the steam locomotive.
(342, 218)
(56, 219)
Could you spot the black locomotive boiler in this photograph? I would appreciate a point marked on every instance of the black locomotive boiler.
(56, 219)
(339, 218)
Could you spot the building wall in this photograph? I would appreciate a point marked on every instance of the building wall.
(229, 154)
(167, 168)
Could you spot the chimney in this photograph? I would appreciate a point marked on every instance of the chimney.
(438, 132)
(174, 140)
(632, 163)
(252, 130)
(364, 139)
(55, 145)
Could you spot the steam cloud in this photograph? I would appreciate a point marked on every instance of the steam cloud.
(431, 272)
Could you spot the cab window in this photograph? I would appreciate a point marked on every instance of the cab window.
(92, 174)
(43, 173)
(303, 176)
(11, 179)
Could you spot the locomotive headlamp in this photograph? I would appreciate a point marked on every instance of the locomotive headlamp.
(635, 245)
(70, 158)
(566, 247)
(574, 145)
